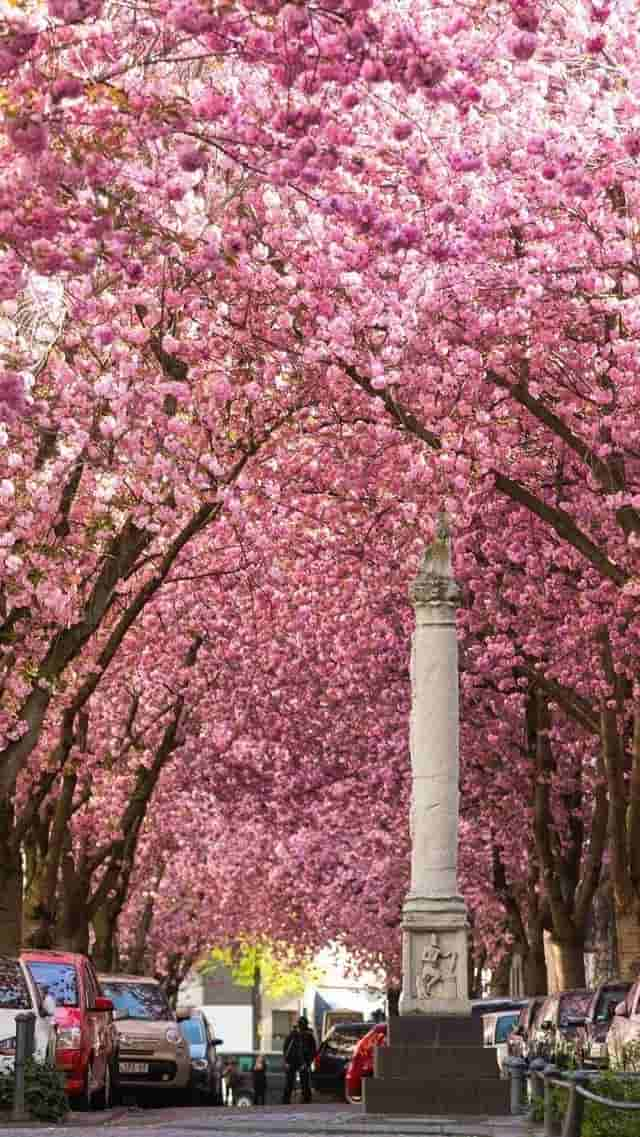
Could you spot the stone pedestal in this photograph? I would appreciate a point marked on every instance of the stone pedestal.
(435, 1062)
(434, 957)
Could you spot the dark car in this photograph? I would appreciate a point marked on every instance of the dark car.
(518, 1037)
(245, 1061)
(557, 1025)
(205, 1081)
(591, 1036)
(329, 1066)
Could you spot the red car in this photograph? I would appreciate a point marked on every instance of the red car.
(361, 1062)
(86, 1050)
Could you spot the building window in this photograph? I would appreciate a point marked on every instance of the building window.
(281, 1023)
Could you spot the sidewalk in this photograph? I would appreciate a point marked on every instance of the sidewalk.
(321, 1120)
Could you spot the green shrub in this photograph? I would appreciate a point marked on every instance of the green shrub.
(44, 1094)
(602, 1121)
(559, 1100)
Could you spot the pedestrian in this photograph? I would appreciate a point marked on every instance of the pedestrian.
(259, 1081)
(231, 1076)
(299, 1051)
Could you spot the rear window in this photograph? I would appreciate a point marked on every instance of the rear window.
(341, 1040)
(54, 977)
(504, 1025)
(14, 993)
(573, 1005)
(139, 1000)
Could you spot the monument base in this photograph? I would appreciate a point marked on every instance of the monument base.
(436, 1066)
(434, 956)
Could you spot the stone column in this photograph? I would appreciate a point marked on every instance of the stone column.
(434, 923)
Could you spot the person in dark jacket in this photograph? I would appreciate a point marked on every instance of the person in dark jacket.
(259, 1074)
(299, 1051)
(231, 1075)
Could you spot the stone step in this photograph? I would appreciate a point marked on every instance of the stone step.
(436, 1062)
(437, 1096)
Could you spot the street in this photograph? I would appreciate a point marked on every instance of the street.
(287, 1121)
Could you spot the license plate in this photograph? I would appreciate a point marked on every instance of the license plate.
(133, 1067)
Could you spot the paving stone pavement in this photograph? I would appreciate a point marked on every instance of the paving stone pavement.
(277, 1121)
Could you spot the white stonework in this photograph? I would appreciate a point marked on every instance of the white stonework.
(434, 924)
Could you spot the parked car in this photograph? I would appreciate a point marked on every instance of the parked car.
(18, 992)
(624, 1029)
(330, 1063)
(87, 1044)
(206, 1081)
(360, 1065)
(591, 1037)
(152, 1052)
(521, 1032)
(557, 1025)
(245, 1060)
(495, 1031)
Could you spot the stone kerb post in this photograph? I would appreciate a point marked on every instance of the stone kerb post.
(434, 923)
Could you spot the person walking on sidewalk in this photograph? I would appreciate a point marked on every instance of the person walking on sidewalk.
(299, 1052)
(259, 1073)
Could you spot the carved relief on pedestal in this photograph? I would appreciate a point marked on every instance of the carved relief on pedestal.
(437, 974)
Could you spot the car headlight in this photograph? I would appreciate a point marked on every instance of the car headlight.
(8, 1045)
(199, 1063)
(173, 1035)
(69, 1038)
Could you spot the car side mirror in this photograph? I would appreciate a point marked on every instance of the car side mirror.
(217, 1041)
(118, 1015)
(102, 1004)
(621, 1011)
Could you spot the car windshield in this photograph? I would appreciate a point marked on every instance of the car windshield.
(609, 999)
(14, 993)
(139, 1000)
(58, 978)
(504, 1024)
(193, 1031)
(574, 1006)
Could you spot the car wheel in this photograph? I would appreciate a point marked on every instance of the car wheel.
(244, 1101)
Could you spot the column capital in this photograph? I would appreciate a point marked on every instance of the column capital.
(435, 583)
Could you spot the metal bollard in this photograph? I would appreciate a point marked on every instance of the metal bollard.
(549, 1072)
(536, 1066)
(516, 1068)
(25, 1042)
(572, 1125)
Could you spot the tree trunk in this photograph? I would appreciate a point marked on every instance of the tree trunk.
(10, 903)
(104, 951)
(568, 959)
(500, 977)
(604, 934)
(628, 936)
(39, 908)
(393, 1002)
(534, 966)
(72, 929)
